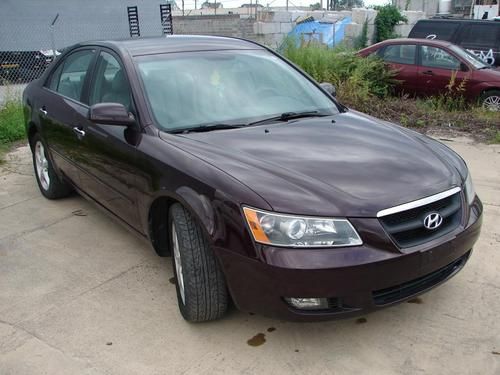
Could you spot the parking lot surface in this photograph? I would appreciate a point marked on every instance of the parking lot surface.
(80, 295)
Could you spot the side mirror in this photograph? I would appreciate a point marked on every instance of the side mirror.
(329, 88)
(464, 67)
(111, 114)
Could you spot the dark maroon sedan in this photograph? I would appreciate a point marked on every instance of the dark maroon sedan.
(425, 67)
(261, 186)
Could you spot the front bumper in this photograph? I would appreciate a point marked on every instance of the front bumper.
(354, 280)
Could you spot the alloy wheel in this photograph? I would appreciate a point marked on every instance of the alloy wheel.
(492, 103)
(42, 166)
(178, 263)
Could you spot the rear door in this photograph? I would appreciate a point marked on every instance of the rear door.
(482, 39)
(436, 67)
(61, 101)
(402, 58)
(108, 166)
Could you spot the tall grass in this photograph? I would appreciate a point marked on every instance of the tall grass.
(357, 79)
(11, 122)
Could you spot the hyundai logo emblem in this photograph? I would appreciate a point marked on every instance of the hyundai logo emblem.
(433, 221)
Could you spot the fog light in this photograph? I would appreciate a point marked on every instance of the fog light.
(308, 303)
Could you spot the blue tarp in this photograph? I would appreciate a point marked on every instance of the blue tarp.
(330, 34)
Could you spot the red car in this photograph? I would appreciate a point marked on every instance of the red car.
(425, 68)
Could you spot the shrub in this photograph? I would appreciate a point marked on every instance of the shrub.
(387, 17)
(362, 40)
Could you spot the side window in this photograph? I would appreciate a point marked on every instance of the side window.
(73, 73)
(434, 57)
(110, 83)
(479, 35)
(399, 53)
(54, 78)
(434, 30)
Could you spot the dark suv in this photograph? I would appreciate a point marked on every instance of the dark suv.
(262, 187)
(480, 37)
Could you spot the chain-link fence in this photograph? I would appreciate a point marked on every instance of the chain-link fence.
(33, 31)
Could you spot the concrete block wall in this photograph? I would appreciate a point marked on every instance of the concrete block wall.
(223, 25)
(271, 27)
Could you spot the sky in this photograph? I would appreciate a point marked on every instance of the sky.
(189, 4)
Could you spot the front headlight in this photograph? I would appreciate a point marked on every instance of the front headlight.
(470, 193)
(300, 231)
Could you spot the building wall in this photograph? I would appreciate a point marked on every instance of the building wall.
(223, 25)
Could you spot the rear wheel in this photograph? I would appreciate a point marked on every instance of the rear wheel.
(201, 288)
(491, 100)
(49, 183)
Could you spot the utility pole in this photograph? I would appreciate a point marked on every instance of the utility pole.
(183, 8)
(215, 7)
(287, 5)
(195, 1)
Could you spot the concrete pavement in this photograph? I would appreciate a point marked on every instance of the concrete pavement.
(80, 295)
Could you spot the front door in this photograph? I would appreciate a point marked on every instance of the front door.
(436, 69)
(108, 169)
(60, 104)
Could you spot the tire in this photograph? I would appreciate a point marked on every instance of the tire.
(49, 183)
(201, 288)
(491, 100)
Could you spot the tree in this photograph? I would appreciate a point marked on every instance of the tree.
(388, 17)
(316, 6)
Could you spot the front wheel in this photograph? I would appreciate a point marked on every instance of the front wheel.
(49, 183)
(201, 288)
(491, 100)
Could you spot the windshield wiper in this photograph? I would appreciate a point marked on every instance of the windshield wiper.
(208, 127)
(290, 116)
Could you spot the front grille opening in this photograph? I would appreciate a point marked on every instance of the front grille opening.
(410, 288)
(407, 227)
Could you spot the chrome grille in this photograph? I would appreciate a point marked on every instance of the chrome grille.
(407, 227)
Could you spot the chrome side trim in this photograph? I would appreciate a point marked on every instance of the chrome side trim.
(418, 202)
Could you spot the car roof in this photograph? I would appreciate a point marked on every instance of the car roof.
(175, 43)
(457, 20)
(431, 42)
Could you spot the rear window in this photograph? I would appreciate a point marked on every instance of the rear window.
(480, 35)
(434, 30)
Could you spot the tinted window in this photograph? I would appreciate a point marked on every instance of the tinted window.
(197, 88)
(74, 71)
(434, 57)
(480, 35)
(434, 30)
(400, 54)
(54, 78)
(110, 83)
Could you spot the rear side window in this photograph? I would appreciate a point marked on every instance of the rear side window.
(69, 82)
(480, 35)
(434, 30)
(399, 53)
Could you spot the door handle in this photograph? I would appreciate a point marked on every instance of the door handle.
(428, 72)
(79, 132)
(43, 111)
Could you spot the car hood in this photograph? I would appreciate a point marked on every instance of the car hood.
(349, 164)
(489, 75)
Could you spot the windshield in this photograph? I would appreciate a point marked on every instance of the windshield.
(469, 57)
(191, 89)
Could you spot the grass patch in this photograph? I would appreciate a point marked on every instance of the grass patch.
(11, 125)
